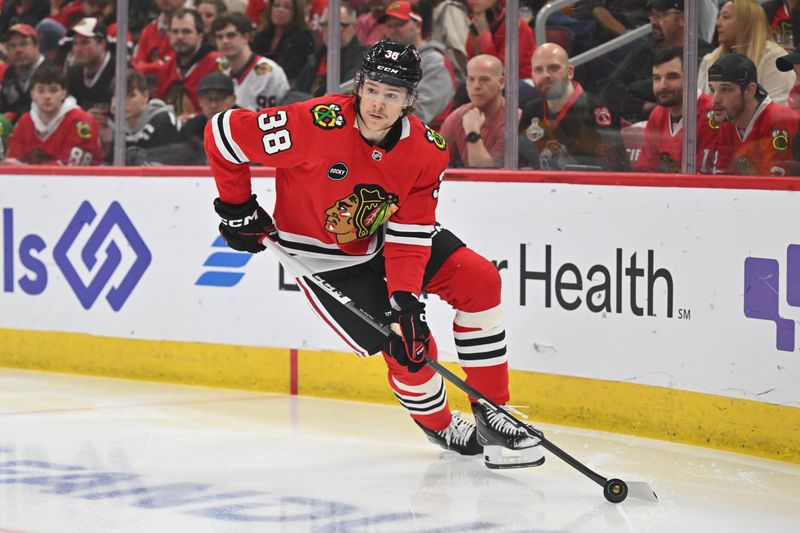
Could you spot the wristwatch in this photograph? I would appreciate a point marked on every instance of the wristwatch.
(473, 137)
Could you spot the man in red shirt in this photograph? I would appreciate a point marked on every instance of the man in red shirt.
(662, 148)
(154, 49)
(357, 183)
(476, 131)
(194, 59)
(755, 134)
(55, 130)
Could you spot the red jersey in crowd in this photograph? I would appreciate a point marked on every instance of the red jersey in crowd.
(71, 138)
(153, 49)
(662, 147)
(493, 42)
(764, 148)
(177, 85)
(335, 190)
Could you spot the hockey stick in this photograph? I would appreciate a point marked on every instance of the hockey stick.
(614, 490)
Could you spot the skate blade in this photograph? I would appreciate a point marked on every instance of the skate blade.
(498, 457)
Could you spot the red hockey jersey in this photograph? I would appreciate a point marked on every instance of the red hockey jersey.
(335, 190)
(153, 49)
(663, 141)
(70, 139)
(764, 148)
(178, 86)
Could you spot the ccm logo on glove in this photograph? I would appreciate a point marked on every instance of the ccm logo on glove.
(244, 225)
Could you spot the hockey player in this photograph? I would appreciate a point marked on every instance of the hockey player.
(663, 137)
(260, 82)
(55, 130)
(357, 184)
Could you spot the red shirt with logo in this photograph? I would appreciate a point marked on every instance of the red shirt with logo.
(73, 141)
(340, 200)
(177, 85)
(153, 49)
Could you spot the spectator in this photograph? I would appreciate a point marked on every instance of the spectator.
(451, 28)
(566, 126)
(28, 12)
(66, 12)
(755, 133)
(662, 147)
(438, 84)
(488, 34)
(612, 17)
(285, 37)
(476, 130)
(49, 34)
(56, 130)
(154, 49)
(667, 29)
(368, 30)
(89, 78)
(254, 10)
(788, 63)
(150, 128)
(24, 59)
(193, 60)
(6, 128)
(742, 26)
(209, 10)
(783, 17)
(260, 82)
(314, 79)
(216, 95)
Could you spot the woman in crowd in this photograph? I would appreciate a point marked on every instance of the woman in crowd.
(488, 34)
(284, 36)
(742, 28)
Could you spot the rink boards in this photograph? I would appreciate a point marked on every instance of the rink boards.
(660, 306)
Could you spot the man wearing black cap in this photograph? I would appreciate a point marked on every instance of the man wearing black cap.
(635, 71)
(785, 64)
(90, 76)
(755, 133)
(216, 94)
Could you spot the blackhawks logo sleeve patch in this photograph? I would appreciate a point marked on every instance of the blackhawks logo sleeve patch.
(432, 136)
(83, 129)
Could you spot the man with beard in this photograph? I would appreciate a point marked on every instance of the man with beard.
(24, 58)
(566, 126)
(194, 60)
(663, 136)
(623, 92)
(755, 133)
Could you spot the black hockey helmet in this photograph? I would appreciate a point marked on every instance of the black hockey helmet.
(391, 62)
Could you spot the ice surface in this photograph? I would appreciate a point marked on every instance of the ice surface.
(101, 455)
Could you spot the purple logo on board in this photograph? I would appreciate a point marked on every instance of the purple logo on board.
(762, 291)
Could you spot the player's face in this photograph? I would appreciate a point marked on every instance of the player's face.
(726, 25)
(381, 104)
(87, 50)
(135, 104)
(212, 102)
(668, 83)
(230, 42)
(48, 97)
(483, 85)
(727, 100)
(22, 51)
(551, 74)
(405, 31)
(339, 219)
(183, 36)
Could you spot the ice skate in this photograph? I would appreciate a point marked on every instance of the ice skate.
(504, 445)
(460, 436)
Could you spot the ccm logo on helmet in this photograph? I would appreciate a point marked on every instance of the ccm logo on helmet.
(388, 69)
(240, 222)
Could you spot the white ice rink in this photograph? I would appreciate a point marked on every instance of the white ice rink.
(89, 455)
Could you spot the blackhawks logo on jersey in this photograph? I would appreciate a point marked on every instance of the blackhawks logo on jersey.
(327, 116)
(780, 140)
(83, 129)
(361, 213)
(263, 68)
(432, 136)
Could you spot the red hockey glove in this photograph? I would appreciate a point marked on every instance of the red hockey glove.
(410, 346)
(243, 225)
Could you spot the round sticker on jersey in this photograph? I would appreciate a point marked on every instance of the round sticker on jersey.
(327, 116)
(83, 129)
(338, 171)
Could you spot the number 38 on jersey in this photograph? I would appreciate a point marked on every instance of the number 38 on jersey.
(276, 138)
